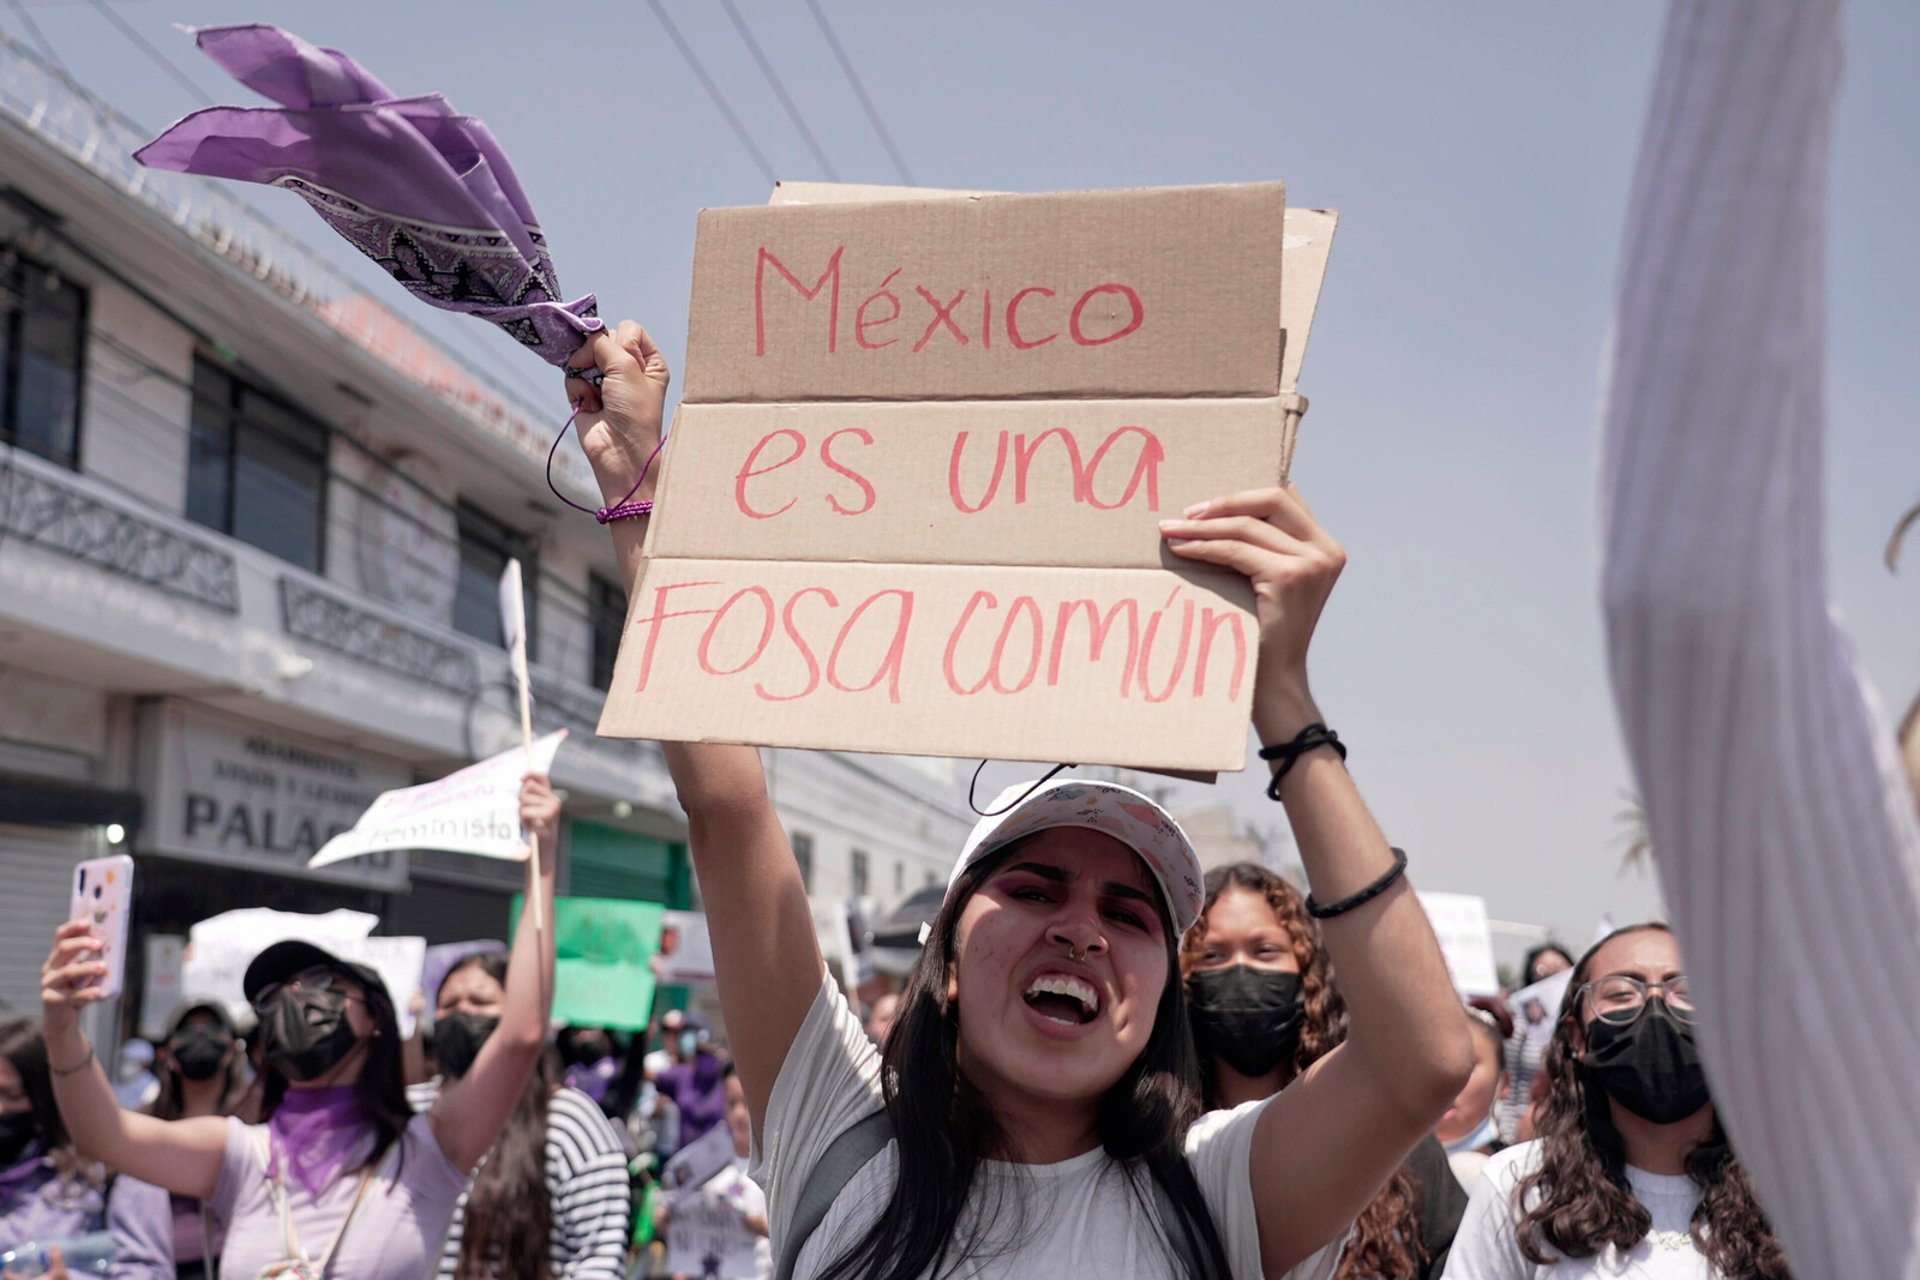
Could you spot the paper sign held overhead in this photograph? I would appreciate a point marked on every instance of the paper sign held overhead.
(932, 528)
(1459, 923)
(474, 811)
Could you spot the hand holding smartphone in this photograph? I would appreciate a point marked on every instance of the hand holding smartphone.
(103, 898)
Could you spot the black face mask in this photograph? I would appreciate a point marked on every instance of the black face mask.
(1650, 1066)
(199, 1052)
(1249, 1018)
(457, 1038)
(18, 1129)
(307, 1033)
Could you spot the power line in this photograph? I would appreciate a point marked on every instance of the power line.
(860, 91)
(713, 90)
(154, 55)
(779, 89)
(39, 37)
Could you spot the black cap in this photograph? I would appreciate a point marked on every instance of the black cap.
(283, 960)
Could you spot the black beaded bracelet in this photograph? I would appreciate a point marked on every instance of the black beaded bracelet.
(1366, 895)
(1289, 753)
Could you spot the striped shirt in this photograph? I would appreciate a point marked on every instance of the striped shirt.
(1784, 830)
(589, 1190)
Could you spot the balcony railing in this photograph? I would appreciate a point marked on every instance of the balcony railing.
(37, 508)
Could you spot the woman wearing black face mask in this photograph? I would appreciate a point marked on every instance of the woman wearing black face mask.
(47, 1192)
(1264, 1008)
(552, 1201)
(1631, 1174)
(159, 1236)
(343, 1180)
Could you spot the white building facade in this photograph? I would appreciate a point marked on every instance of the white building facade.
(251, 522)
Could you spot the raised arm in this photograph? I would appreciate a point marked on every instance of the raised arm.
(1328, 1142)
(1782, 826)
(470, 1113)
(766, 955)
(184, 1156)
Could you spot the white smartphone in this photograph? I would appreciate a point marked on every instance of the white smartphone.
(103, 896)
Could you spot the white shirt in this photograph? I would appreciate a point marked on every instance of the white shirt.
(1487, 1246)
(1078, 1217)
(1782, 824)
(738, 1189)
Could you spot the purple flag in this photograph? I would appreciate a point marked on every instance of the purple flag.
(423, 191)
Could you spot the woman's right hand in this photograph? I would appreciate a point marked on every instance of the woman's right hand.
(620, 421)
(69, 981)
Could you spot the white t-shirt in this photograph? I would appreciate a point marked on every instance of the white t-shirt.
(1074, 1218)
(1487, 1246)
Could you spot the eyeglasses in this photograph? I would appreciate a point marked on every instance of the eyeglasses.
(1619, 998)
(318, 978)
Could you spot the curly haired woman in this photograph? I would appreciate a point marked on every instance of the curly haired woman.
(1631, 1175)
(1265, 1009)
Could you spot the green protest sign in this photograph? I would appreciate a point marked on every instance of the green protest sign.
(603, 975)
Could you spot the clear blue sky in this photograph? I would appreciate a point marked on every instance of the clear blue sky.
(1479, 155)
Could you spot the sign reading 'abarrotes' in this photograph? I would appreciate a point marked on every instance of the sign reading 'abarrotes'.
(911, 501)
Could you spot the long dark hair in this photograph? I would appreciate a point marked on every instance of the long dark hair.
(1386, 1236)
(945, 1129)
(1578, 1201)
(508, 1227)
(25, 1050)
(381, 1089)
(171, 1102)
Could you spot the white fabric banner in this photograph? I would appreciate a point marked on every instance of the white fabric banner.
(476, 811)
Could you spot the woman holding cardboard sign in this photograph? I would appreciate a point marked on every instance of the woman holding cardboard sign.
(1035, 1109)
(343, 1179)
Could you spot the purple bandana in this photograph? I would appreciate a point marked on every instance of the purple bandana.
(424, 192)
(32, 1161)
(315, 1132)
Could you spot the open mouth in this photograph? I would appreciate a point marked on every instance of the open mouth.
(1070, 1001)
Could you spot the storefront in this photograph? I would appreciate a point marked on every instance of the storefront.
(234, 808)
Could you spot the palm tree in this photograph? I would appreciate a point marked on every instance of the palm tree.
(1634, 835)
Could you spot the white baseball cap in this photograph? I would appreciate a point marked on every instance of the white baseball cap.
(1133, 819)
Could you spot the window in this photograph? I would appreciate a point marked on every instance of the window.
(256, 468)
(485, 547)
(803, 854)
(43, 326)
(607, 616)
(860, 873)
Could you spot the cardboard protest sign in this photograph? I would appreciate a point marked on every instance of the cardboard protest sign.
(1459, 923)
(694, 1164)
(475, 811)
(603, 970)
(911, 502)
(221, 947)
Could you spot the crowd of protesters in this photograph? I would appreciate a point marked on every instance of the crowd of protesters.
(1103, 1062)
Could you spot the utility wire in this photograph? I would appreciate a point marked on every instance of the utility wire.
(779, 89)
(713, 90)
(39, 36)
(145, 46)
(860, 90)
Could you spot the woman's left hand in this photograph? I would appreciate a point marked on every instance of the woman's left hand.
(540, 814)
(1270, 536)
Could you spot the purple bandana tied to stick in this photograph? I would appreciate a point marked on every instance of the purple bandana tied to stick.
(423, 191)
(315, 1132)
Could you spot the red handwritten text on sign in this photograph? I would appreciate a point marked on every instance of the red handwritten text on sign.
(1188, 646)
(1032, 316)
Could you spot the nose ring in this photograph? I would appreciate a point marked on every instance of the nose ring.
(1076, 955)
